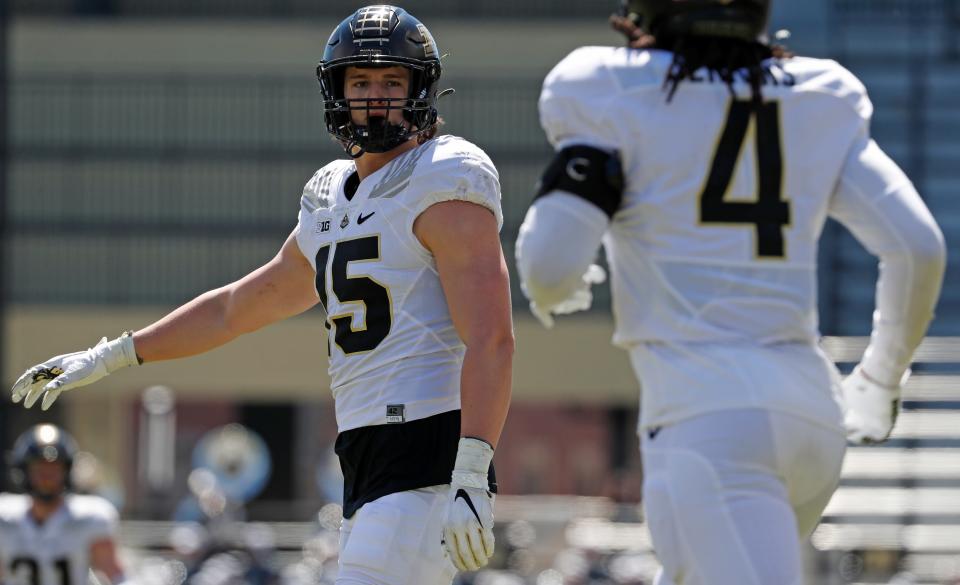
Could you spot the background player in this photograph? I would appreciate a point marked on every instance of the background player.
(401, 246)
(707, 161)
(49, 536)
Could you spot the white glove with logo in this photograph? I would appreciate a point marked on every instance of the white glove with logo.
(72, 370)
(468, 527)
(579, 300)
(871, 409)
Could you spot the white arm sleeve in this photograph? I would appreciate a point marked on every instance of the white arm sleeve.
(878, 204)
(558, 240)
(561, 233)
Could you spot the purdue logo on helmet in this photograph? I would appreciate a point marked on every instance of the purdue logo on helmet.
(380, 36)
(745, 20)
(43, 442)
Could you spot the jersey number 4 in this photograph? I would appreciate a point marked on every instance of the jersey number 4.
(363, 290)
(768, 213)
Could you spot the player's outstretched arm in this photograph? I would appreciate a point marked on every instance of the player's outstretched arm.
(464, 240)
(279, 289)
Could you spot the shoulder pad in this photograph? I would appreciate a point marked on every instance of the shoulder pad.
(580, 74)
(577, 92)
(454, 170)
(459, 165)
(453, 149)
(94, 508)
(317, 192)
(431, 168)
(13, 507)
(606, 71)
(828, 76)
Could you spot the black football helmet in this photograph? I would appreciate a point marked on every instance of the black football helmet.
(380, 36)
(745, 20)
(44, 442)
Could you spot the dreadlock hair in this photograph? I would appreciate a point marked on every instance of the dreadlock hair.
(722, 57)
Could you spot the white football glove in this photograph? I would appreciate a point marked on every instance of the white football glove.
(72, 370)
(870, 408)
(468, 526)
(579, 300)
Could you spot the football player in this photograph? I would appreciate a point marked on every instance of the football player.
(49, 536)
(400, 244)
(706, 161)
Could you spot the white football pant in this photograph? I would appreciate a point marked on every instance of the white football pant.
(729, 495)
(396, 540)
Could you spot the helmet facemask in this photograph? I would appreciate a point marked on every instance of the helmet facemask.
(379, 134)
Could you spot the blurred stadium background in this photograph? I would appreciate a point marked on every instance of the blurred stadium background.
(157, 148)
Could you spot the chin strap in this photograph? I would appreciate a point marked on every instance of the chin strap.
(47, 498)
(354, 150)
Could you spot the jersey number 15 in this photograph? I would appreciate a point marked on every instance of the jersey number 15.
(362, 290)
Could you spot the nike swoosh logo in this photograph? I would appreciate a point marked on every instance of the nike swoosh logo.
(362, 218)
(466, 498)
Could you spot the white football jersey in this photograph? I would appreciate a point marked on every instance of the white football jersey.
(716, 237)
(395, 355)
(56, 552)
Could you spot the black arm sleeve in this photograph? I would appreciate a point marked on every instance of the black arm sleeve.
(587, 172)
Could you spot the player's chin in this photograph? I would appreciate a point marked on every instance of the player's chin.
(47, 495)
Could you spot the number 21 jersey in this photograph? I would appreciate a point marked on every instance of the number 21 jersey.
(56, 552)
